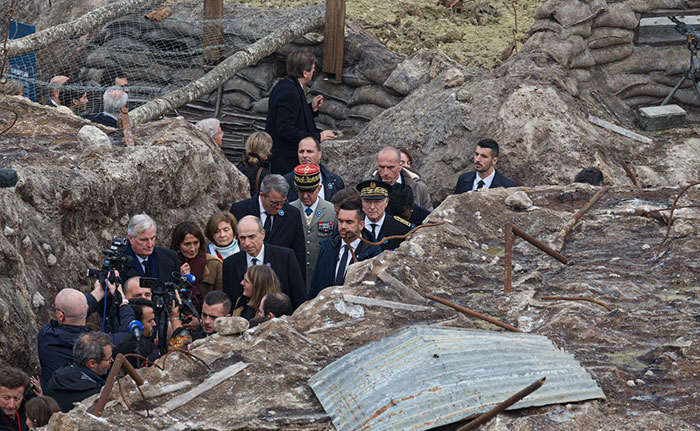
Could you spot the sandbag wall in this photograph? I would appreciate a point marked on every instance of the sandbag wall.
(158, 56)
(595, 40)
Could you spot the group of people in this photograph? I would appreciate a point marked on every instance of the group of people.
(297, 234)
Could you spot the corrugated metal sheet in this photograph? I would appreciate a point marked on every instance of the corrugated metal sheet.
(423, 377)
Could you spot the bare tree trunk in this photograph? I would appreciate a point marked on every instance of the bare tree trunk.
(300, 22)
(77, 27)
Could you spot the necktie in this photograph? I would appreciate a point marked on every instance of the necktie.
(254, 261)
(146, 272)
(340, 276)
(480, 184)
(308, 211)
(374, 228)
(268, 225)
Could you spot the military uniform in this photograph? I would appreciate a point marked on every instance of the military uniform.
(318, 226)
(390, 225)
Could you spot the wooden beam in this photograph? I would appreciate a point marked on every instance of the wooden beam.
(619, 130)
(334, 40)
(212, 33)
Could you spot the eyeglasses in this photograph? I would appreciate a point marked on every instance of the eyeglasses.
(276, 204)
(305, 192)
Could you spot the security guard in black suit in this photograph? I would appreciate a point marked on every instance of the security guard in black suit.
(375, 199)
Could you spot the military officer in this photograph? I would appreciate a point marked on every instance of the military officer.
(375, 199)
(317, 215)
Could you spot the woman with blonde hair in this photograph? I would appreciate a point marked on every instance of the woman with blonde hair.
(255, 165)
(259, 280)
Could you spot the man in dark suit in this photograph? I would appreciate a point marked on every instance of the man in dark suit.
(375, 199)
(113, 100)
(148, 259)
(281, 221)
(309, 151)
(485, 159)
(335, 257)
(289, 117)
(401, 204)
(254, 251)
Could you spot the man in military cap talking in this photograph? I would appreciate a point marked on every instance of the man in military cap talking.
(375, 199)
(317, 215)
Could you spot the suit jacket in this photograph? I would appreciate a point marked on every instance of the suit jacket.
(162, 263)
(324, 275)
(393, 225)
(466, 182)
(286, 227)
(280, 259)
(332, 184)
(103, 119)
(418, 215)
(289, 120)
(319, 228)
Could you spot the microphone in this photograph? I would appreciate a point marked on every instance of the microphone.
(136, 328)
(187, 278)
(8, 177)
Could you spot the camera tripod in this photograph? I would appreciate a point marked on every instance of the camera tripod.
(693, 70)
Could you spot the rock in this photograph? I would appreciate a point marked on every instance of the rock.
(518, 201)
(69, 198)
(631, 383)
(649, 373)
(453, 78)
(230, 325)
(93, 138)
(38, 300)
(681, 229)
(8, 231)
(411, 73)
(640, 382)
(105, 235)
(463, 95)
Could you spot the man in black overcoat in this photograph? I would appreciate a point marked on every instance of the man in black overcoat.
(381, 224)
(254, 251)
(289, 117)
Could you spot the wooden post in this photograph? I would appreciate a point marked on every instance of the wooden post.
(333, 41)
(508, 278)
(119, 363)
(212, 34)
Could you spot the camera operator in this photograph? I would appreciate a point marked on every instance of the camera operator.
(57, 337)
(141, 342)
(149, 260)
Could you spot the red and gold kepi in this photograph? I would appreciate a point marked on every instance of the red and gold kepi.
(307, 176)
(374, 189)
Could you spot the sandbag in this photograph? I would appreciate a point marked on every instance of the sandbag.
(335, 109)
(375, 95)
(560, 50)
(618, 15)
(603, 37)
(582, 61)
(244, 86)
(365, 112)
(234, 98)
(612, 53)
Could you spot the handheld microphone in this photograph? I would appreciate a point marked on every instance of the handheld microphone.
(187, 278)
(136, 328)
(8, 177)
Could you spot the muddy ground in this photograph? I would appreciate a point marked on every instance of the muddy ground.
(474, 33)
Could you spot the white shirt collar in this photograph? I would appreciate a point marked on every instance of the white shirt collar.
(368, 224)
(111, 115)
(487, 181)
(399, 180)
(260, 256)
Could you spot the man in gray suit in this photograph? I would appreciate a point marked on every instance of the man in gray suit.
(317, 215)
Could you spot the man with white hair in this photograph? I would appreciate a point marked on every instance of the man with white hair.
(55, 85)
(212, 128)
(148, 259)
(113, 100)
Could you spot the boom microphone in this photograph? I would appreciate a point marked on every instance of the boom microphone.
(136, 328)
(8, 177)
(186, 278)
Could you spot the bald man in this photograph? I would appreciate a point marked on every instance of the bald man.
(57, 337)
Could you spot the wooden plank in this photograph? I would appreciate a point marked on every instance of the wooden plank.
(212, 34)
(619, 130)
(383, 303)
(206, 385)
(167, 389)
(334, 39)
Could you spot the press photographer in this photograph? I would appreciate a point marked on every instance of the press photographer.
(140, 341)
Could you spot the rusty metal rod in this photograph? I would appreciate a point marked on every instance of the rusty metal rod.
(673, 208)
(508, 277)
(592, 201)
(577, 298)
(472, 313)
(630, 174)
(119, 363)
(347, 242)
(402, 236)
(539, 244)
(126, 127)
(482, 419)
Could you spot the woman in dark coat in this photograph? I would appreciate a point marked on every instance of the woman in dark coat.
(259, 280)
(255, 165)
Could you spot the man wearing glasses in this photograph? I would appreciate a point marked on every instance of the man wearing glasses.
(92, 359)
(281, 221)
(317, 215)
